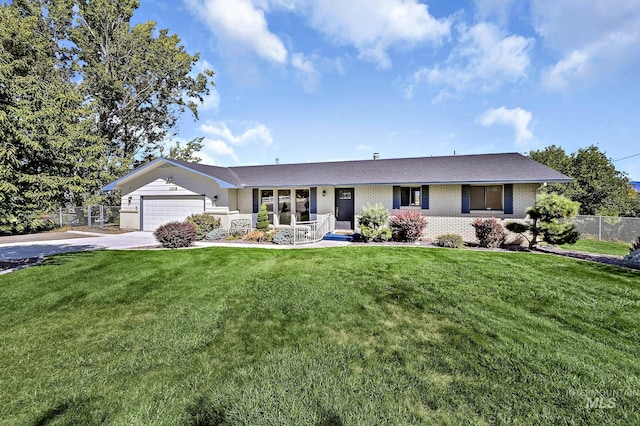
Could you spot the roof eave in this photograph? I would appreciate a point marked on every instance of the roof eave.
(465, 182)
(115, 185)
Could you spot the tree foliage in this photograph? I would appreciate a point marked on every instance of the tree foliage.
(597, 185)
(46, 129)
(84, 96)
(186, 152)
(137, 78)
(546, 220)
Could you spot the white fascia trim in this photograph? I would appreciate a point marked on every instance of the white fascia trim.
(115, 184)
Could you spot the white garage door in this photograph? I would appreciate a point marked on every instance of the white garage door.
(157, 211)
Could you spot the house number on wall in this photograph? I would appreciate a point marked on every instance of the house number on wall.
(173, 188)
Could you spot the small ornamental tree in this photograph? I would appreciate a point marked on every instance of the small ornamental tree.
(546, 221)
(262, 223)
(408, 226)
(373, 223)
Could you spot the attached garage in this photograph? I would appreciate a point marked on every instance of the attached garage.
(158, 210)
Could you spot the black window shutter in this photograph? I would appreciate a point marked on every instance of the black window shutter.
(466, 198)
(313, 202)
(396, 197)
(508, 198)
(256, 200)
(425, 196)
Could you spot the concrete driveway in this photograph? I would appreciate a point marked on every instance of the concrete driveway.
(72, 241)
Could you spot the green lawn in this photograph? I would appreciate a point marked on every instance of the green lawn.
(600, 247)
(346, 336)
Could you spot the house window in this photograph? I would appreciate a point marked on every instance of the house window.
(302, 205)
(486, 197)
(344, 194)
(284, 206)
(410, 196)
(266, 198)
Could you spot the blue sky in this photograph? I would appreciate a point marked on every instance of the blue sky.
(304, 80)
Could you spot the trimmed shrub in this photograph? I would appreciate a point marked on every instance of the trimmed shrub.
(176, 234)
(450, 241)
(373, 223)
(217, 234)
(204, 224)
(284, 236)
(262, 222)
(407, 226)
(489, 232)
(632, 260)
(255, 236)
(635, 245)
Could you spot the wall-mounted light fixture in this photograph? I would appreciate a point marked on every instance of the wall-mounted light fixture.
(169, 179)
(324, 192)
(215, 198)
(129, 199)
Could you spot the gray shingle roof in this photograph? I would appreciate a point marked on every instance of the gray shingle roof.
(483, 168)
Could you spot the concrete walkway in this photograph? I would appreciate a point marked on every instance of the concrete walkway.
(319, 244)
(73, 241)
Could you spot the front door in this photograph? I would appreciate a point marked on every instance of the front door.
(344, 208)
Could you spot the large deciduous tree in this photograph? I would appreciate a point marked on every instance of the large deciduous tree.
(138, 79)
(84, 96)
(597, 185)
(45, 129)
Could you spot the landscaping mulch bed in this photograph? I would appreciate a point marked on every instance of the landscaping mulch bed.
(600, 258)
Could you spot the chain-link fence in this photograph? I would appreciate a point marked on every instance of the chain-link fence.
(608, 228)
(89, 216)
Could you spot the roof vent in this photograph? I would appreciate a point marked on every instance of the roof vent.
(376, 155)
(277, 161)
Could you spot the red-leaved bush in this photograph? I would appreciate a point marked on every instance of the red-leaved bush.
(176, 234)
(489, 232)
(407, 225)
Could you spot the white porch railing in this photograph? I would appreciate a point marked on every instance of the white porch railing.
(313, 231)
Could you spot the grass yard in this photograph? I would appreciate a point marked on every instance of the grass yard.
(600, 247)
(347, 336)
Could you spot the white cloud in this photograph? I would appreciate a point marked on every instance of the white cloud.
(216, 147)
(593, 39)
(374, 27)
(240, 25)
(518, 118)
(363, 147)
(307, 71)
(310, 69)
(256, 133)
(485, 59)
(498, 9)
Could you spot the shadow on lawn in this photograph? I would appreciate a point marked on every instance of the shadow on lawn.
(18, 257)
(203, 412)
(71, 407)
(15, 252)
